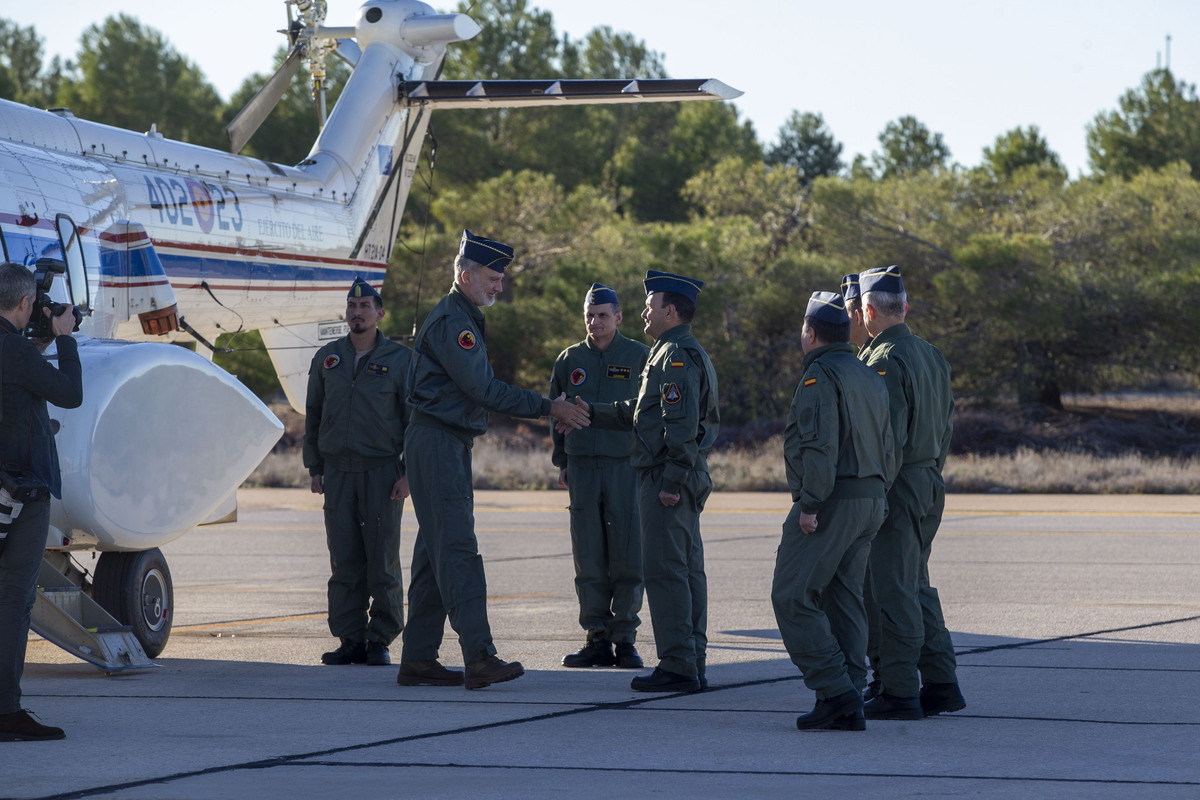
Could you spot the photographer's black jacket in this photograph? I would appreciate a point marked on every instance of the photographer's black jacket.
(29, 381)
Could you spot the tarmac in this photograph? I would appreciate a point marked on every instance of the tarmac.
(1076, 620)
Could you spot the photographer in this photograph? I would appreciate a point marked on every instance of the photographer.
(27, 451)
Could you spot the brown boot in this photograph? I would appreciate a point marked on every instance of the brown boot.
(19, 726)
(427, 673)
(492, 670)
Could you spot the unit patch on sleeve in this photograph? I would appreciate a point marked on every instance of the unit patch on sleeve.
(620, 373)
(676, 363)
(671, 394)
(578, 376)
(881, 372)
(466, 339)
(332, 361)
(376, 369)
(809, 381)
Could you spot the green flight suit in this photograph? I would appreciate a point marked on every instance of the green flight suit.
(838, 452)
(452, 391)
(354, 437)
(675, 421)
(606, 537)
(914, 644)
(868, 600)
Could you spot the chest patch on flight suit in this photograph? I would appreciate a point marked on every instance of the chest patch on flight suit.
(809, 381)
(671, 394)
(332, 361)
(466, 339)
(620, 373)
(377, 369)
(578, 376)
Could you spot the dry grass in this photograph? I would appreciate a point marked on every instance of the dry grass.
(1072, 473)
(760, 469)
(1105, 444)
(1147, 402)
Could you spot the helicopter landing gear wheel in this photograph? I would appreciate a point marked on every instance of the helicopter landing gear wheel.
(136, 589)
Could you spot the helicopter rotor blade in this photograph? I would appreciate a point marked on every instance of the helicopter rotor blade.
(263, 103)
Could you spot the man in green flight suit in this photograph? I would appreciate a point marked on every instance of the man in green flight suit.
(593, 465)
(838, 453)
(916, 663)
(675, 421)
(451, 392)
(854, 310)
(353, 449)
(861, 339)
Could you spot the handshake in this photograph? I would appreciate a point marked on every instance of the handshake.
(569, 416)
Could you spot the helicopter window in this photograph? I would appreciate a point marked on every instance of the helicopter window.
(68, 236)
(374, 14)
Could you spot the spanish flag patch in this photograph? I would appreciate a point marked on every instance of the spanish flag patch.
(809, 381)
(676, 363)
(881, 372)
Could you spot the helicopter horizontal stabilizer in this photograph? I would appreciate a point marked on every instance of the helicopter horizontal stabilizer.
(516, 94)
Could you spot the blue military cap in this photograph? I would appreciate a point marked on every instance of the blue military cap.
(881, 279)
(361, 288)
(666, 282)
(600, 294)
(850, 288)
(485, 252)
(828, 307)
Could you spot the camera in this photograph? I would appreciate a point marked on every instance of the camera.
(44, 270)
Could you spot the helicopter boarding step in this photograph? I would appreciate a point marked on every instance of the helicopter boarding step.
(64, 615)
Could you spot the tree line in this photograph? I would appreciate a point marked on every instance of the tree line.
(1032, 283)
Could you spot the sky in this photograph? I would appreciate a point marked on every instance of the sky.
(968, 69)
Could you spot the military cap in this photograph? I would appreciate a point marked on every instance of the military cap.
(485, 252)
(850, 289)
(600, 294)
(828, 307)
(361, 288)
(881, 279)
(666, 282)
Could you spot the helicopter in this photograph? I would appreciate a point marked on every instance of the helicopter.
(160, 242)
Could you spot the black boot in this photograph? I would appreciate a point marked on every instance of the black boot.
(350, 652)
(887, 706)
(840, 712)
(596, 653)
(627, 656)
(662, 680)
(378, 655)
(940, 698)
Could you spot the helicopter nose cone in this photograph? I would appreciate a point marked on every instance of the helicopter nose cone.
(163, 438)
